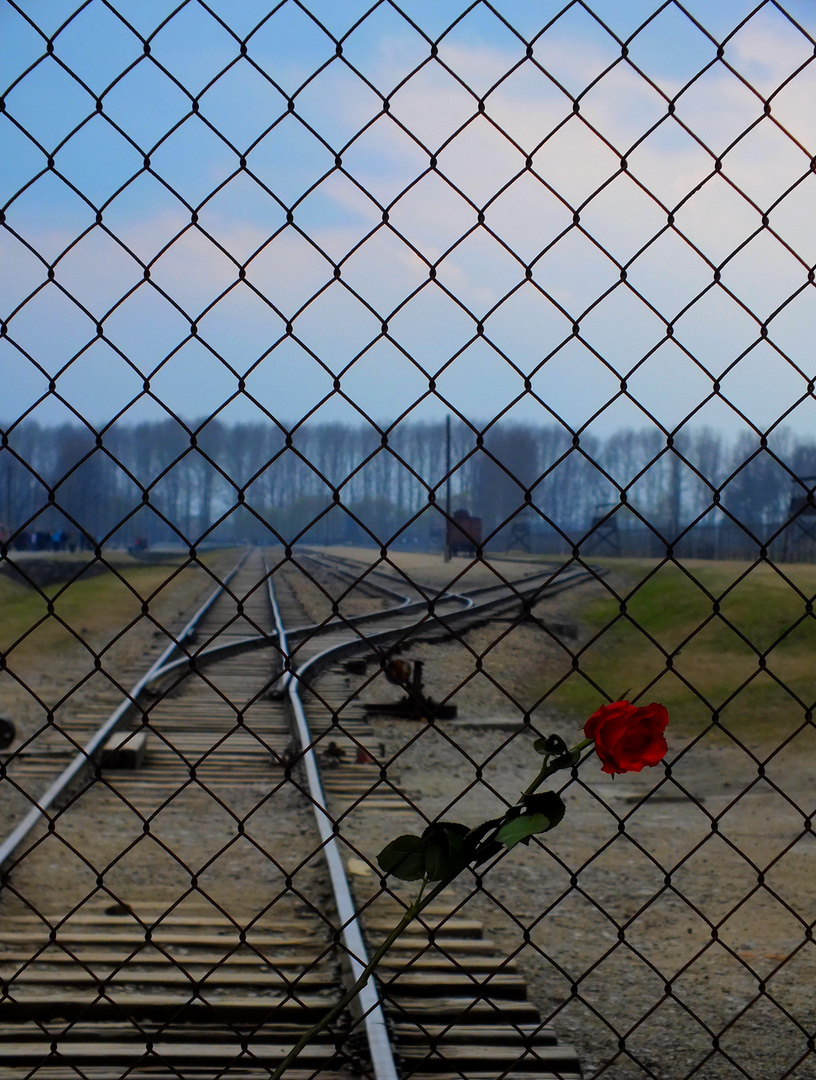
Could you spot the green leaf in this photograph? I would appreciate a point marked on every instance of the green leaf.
(438, 863)
(540, 814)
(522, 828)
(477, 849)
(445, 851)
(454, 830)
(479, 832)
(404, 858)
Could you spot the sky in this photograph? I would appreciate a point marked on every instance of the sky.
(520, 269)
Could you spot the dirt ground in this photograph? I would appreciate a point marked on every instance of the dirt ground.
(640, 924)
(665, 929)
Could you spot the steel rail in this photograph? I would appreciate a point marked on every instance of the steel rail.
(379, 1042)
(129, 702)
(434, 622)
(214, 653)
(381, 1051)
(361, 573)
(369, 1000)
(337, 623)
(164, 667)
(331, 562)
(547, 571)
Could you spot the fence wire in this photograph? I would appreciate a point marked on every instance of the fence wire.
(524, 283)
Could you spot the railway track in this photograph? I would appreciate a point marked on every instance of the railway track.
(175, 918)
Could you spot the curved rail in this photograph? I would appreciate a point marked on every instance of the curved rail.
(522, 590)
(381, 1051)
(472, 605)
(434, 613)
(379, 1043)
(10, 844)
(168, 665)
(337, 564)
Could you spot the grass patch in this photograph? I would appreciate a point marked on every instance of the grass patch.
(711, 637)
(96, 607)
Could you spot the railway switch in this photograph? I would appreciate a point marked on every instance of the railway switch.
(416, 704)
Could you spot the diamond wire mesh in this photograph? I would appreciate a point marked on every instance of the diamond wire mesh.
(504, 219)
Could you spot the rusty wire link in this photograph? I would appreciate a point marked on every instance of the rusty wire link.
(675, 503)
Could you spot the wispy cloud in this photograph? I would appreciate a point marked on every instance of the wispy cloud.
(576, 164)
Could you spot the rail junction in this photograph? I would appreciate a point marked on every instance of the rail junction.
(202, 917)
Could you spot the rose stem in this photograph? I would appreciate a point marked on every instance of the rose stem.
(411, 913)
(548, 770)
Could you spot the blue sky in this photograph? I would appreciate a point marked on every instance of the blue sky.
(494, 327)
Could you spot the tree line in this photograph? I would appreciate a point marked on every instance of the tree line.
(166, 482)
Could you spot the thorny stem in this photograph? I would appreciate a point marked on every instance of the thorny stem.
(418, 906)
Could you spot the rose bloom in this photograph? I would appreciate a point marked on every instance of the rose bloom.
(627, 737)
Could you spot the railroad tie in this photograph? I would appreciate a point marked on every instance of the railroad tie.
(189, 995)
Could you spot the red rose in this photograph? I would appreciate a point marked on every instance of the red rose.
(627, 737)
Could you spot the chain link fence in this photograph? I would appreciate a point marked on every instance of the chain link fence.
(531, 282)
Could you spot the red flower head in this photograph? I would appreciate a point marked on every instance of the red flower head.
(627, 737)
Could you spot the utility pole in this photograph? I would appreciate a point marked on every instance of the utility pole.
(676, 495)
(447, 486)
